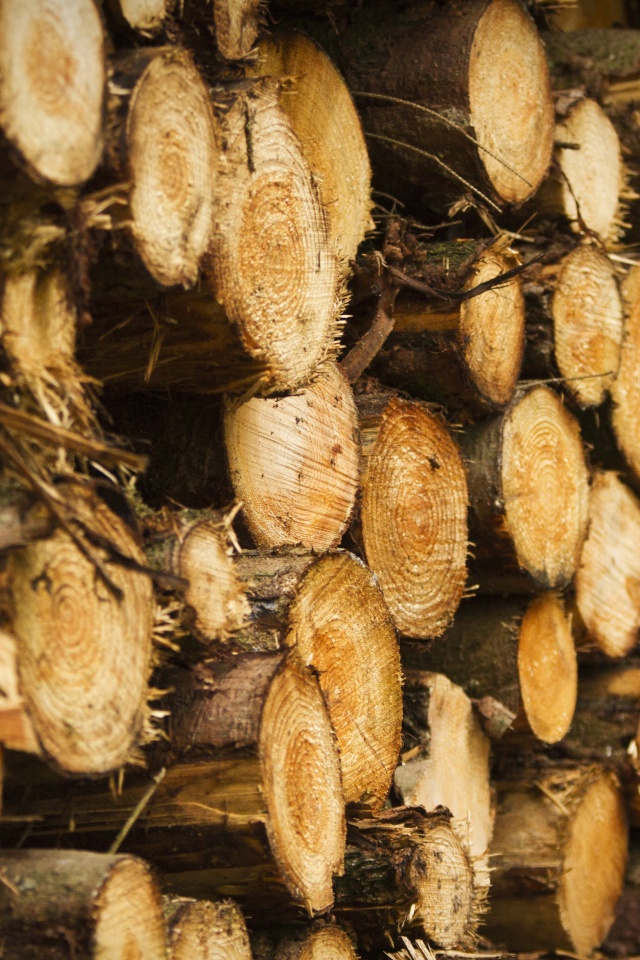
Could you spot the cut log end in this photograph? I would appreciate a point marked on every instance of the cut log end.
(236, 26)
(324, 941)
(414, 517)
(625, 393)
(144, 16)
(294, 463)
(588, 323)
(341, 627)
(545, 486)
(129, 915)
(547, 668)
(172, 161)
(200, 930)
(510, 104)
(52, 65)
(302, 788)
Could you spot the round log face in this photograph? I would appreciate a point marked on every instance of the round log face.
(200, 930)
(129, 914)
(52, 84)
(341, 627)
(326, 941)
(547, 668)
(608, 578)
(236, 24)
(594, 865)
(588, 324)
(443, 879)
(625, 393)
(302, 788)
(414, 518)
(38, 321)
(172, 161)
(294, 463)
(545, 486)
(84, 654)
(510, 103)
(144, 15)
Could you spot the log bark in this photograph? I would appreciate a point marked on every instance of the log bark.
(294, 463)
(529, 488)
(605, 62)
(201, 930)
(413, 522)
(60, 903)
(560, 844)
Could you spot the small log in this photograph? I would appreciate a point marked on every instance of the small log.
(451, 767)
(529, 490)
(322, 114)
(608, 576)
(236, 26)
(294, 463)
(144, 16)
(559, 855)
(201, 930)
(413, 514)
(52, 91)
(625, 393)
(58, 903)
(315, 941)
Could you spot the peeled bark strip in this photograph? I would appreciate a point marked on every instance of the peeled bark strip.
(529, 488)
(408, 868)
(58, 903)
(625, 393)
(201, 930)
(294, 463)
(451, 768)
(84, 653)
(414, 511)
(588, 182)
(163, 143)
(52, 65)
(322, 114)
(320, 940)
(608, 577)
(560, 849)
(575, 325)
(333, 614)
(466, 355)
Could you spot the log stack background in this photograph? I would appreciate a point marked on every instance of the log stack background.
(319, 516)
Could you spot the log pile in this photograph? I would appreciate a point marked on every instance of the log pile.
(319, 478)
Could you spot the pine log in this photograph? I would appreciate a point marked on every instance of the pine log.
(560, 850)
(608, 576)
(333, 614)
(407, 869)
(466, 355)
(84, 640)
(449, 757)
(623, 939)
(270, 272)
(529, 490)
(625, 393)
(319, 940)
(322, 114)
(294, 463)
(575, 325)
(52, 88)
(605, 62)
(513, 652)
(201, 930)
(413, 514)
(57, 904)
(478, 135)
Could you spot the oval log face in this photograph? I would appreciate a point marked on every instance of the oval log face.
(625, 393)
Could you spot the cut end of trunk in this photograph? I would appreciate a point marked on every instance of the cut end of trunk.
(414, 517)
(588, 324)
(200, 930)
(236, 24)
(84, 653)
(608, 578)
(625, 393)
(491, 331)
(594, 865)
(323, 941)
(294, 463)
(510, 103)
(302, 788)
(547, 668)
(341, 627)
(145, 16)
(52, 70)
(129, 914)
(172, 158)
(545, 486)
(323, 116)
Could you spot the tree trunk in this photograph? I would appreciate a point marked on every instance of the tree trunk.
(201, 930)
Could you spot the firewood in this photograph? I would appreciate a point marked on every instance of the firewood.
(529, 490)
(413, 514)
(563, 835)
(52, 92)
(294, 463)
(314, 941)
(322, 114)
(57, 903)
(451, 765)
(201, 930)
(575, 325)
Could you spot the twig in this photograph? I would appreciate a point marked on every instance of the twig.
(363, 353)
(137, 810)
(420, 287)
